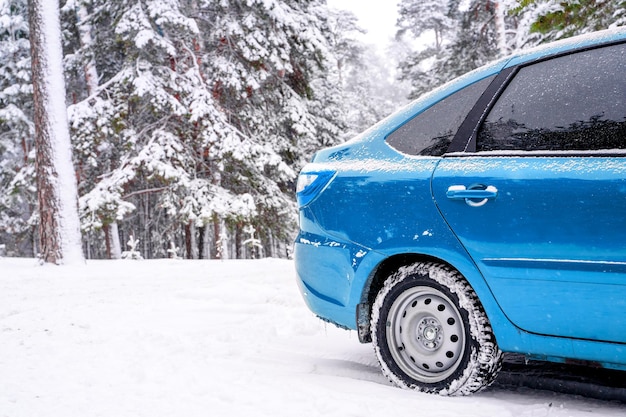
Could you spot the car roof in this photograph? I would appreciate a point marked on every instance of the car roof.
(401, 116)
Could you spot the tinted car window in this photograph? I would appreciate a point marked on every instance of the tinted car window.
(573, 102)
(430, 132)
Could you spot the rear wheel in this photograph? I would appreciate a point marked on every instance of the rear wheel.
(431, 333)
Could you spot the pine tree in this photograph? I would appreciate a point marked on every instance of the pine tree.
(82, 70)
(549, 20)
(422, 19)
(17, 174)
(468, 34)
(231, 92)
(270, 69)
(365, 89)
(158, 112)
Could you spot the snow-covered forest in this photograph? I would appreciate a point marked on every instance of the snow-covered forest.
(189, 119)
(465, 34)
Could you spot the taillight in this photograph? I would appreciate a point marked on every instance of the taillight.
(310, 184)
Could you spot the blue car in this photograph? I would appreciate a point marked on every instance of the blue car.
(487, 216)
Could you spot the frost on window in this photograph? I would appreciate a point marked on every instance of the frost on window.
(574, 102)
(430, 132)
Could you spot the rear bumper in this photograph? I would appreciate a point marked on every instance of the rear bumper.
(331, 276)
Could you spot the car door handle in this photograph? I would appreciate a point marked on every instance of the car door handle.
(459, 192)
(475, 196)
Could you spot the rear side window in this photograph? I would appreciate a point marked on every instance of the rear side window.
(430, 132)
(573, 102)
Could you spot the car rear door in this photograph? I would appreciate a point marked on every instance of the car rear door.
(540, 201)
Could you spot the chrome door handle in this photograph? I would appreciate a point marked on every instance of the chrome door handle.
(475, 196)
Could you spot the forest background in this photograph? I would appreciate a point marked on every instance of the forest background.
(190, 119)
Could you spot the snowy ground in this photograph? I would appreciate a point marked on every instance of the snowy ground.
(204, 338)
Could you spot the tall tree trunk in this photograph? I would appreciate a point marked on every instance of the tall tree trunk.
(217, 233)
(107, 241)
(59, 231)
(86, 41)
(201, 241)
(188, 247)
(112, 241)
(501, 28)
(238, 249)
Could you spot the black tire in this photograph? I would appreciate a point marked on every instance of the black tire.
(431, 334)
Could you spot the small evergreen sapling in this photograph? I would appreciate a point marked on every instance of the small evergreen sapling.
(133, 253)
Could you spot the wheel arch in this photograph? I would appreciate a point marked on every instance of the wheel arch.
(375, 282)
(391, 264)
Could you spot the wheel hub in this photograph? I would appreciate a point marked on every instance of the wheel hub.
(429, 333)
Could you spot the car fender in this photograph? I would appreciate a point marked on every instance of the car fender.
(453, 255)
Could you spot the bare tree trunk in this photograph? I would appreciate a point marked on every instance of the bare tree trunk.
(188, 247)
(107, 241)
(201, 241)
(84, 29)
(238, 251)
(220, 234)
(501, 28)
(112, 241)
(59, 230)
